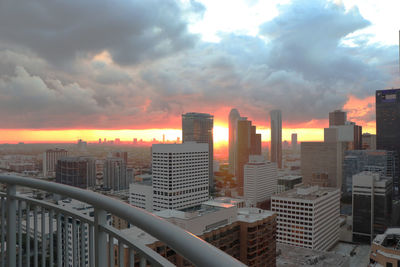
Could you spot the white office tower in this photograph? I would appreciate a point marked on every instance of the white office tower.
(308, 216)
(260, 180)
(180, 175)
(50, 158)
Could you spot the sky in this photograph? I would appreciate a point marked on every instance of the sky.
(129, 69)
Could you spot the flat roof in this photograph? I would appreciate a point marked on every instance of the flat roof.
(290, 177)
(306, 192)
(139, 234)
(251, 215)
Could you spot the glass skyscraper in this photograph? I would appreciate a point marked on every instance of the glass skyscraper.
(388, 125)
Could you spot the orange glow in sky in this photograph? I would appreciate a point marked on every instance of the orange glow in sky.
(358, 110)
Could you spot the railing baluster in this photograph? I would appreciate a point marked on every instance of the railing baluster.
(2, 231)
(28, 234)
(111, 250)
(120, 253)
(59, 241)
(44, 243)
(35, 239)
(143, 261)
(91, 246)
(83, 243)
(11, 231)
(66, 243)
(131, 257)
(20, 248)
(51, 241)
(100, 238)
(74, 244)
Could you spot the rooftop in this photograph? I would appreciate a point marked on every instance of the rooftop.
(251, 215)
(290, 177)
(390, 239)
(306, 192)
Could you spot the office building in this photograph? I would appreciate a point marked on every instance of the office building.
(308, 216)
(369, 141)
(294, 142)
(119, 154)
(247, 234)
(233, 118)
(248, 143)
(388, 125)
(260, 179)
(141, 194)
(276, 137)
(198, 127)
(50, 158)
(372, 205)
(350, 134)
(385, 249)
(76, 171)
(180, 175)
(322, 158)
(115, 176)
(356, 161)
(337, 117)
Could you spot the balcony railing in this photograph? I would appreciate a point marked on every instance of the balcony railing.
(39, 233)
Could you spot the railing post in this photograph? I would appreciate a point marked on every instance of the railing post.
(11, 226)
(100, 237)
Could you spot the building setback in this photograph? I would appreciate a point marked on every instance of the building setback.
(180, 175)
(308, 216)
(372, 205)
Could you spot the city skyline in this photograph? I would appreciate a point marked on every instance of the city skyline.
(89, 88)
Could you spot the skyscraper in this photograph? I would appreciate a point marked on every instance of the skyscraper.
(294, 142)
(276, 137)
(115, 174)
(180, 175)
(388, 125)
(76, 171)
(247, 143)
(198, 127)
(233, 118)
(337, 118)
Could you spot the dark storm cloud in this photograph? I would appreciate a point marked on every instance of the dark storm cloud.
(302, 68)
(131, 31)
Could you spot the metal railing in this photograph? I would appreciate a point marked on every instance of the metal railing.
(38, 233)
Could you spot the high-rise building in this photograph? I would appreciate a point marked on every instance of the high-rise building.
(388, 125)
(276, 137)
(76, 171)
(246, 145)
(198, 127)
(115, 174)
(322, 160)
(119, 154)
(337, 117)
(233, 118)
(369, 141)
(294, 142)
(260, 180)
(308, 217)
(372, 205)
(50, 158)
(356, 161)
(180, 175)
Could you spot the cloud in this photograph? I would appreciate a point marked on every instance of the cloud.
(154, 70)
(61, 31)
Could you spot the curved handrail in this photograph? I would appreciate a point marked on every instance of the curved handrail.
(194, 249)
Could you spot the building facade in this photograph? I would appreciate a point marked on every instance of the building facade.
(388, 125)
(385, 249)
(308, 216)
(276, 137)
(294, 142)
(76, 171)
(372, 205)
(337, 117)
(233, 118)
(50, 158)
(260, 180)
(115, 174)
(180, 175)
(141, 194)
(198, 127)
